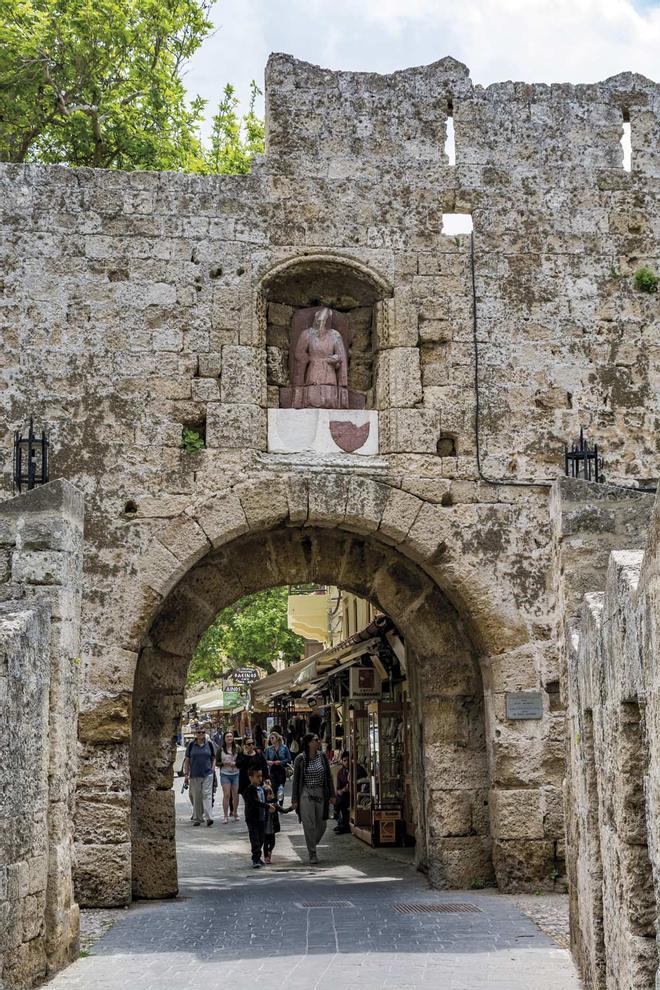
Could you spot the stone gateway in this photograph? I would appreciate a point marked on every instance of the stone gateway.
(422, 469)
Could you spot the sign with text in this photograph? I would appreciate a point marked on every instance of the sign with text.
(244, 675)
(364, 682)
(524, 704)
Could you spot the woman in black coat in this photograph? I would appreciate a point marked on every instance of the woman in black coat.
(247, 758)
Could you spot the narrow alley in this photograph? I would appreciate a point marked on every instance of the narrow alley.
(342, 925)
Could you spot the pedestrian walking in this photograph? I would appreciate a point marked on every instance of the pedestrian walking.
(278, 758)
(313, 792)
(256, 811)
(342, 802)
(244, 760)
(198, 772)
(229, 774)
(272, 826)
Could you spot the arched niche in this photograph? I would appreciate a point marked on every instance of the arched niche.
(351, 289)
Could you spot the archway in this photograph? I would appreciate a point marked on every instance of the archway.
(451, 763)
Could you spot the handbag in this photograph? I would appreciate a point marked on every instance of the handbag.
(288, 769)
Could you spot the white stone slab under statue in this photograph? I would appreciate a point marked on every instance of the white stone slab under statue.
(323, 431)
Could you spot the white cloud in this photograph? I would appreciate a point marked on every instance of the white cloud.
(531, 40)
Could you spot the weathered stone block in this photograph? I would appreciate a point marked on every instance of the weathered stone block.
(103, 817)
(398, 378)
(365, 504)
(265, 505)
(108, 722)
(154, 864)
(236, 427)
(205, 390)
(327, 500)
(222, 518)
(412, 431)
(186, 540)
(103, 874)
(516, 814)
(524, 864)
(39, 567)
(243, 375)
(160, 569)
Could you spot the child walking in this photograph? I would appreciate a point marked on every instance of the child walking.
(272, 826)
(256, 814)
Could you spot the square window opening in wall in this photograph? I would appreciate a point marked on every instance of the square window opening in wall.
(456, 223)
(626, 142)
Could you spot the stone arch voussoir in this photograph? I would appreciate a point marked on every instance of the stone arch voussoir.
(431, 535)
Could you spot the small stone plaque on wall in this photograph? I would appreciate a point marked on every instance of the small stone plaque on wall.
(524, 704)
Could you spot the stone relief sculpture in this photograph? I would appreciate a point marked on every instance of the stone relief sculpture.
(320, 366)
(318, 362)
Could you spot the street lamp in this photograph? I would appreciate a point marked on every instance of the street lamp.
(30, 460)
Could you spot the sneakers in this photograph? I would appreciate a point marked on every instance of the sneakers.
(267, 858)
(257, 866)
(197, 824)
(209, 822)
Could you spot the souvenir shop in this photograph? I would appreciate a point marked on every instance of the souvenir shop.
(357, 694)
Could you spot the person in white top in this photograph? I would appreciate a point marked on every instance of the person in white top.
(229, 774)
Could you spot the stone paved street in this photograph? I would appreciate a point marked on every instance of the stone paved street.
(331, 928)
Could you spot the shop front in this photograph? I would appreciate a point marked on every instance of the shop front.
(357, 697)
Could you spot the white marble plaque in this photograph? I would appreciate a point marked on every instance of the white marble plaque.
(323, 431)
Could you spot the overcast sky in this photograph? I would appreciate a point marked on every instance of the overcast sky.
(530, 40)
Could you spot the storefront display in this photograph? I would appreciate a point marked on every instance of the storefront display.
(377, 735)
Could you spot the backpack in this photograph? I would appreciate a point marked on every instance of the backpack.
(208, 743)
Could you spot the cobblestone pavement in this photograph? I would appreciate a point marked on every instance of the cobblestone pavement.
(334, 927)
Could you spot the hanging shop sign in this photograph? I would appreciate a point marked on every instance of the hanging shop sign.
(232, 697)
(365, 682)
(244, 675)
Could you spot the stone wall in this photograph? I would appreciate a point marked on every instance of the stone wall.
(135, 304)
(41, 557)
(613, 772)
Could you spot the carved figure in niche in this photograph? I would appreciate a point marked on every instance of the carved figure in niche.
(318, 362)
(320, 366)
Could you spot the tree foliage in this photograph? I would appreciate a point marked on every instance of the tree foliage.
(251, 633)
(99, 83)
(234, 140)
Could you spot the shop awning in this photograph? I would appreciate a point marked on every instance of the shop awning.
(212, 706)
(264, 690)
(307, 674)
(206, 701)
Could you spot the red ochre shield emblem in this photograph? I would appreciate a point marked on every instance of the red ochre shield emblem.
(347, 435)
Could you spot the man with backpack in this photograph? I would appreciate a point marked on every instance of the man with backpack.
(199, 772)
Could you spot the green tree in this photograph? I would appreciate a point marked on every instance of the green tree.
(235, 140)
(98, 82)
(251, 633)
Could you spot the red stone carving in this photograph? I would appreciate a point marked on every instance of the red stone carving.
(319, 351)
(347, 435)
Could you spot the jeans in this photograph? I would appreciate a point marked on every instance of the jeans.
(201, 791)
(256, 833)
(311, 816)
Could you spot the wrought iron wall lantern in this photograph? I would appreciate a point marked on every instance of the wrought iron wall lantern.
(583, 460)
(30, 460)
